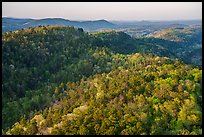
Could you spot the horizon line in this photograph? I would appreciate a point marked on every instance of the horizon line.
(101, 19)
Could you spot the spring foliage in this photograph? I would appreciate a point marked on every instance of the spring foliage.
(60, 80)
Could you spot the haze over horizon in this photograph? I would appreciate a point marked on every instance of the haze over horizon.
(112, 11)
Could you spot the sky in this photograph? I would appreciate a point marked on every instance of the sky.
(104, 10)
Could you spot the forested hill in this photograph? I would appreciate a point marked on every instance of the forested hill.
(68, 79)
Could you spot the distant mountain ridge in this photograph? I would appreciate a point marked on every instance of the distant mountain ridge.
(152, 22)
(12, 24)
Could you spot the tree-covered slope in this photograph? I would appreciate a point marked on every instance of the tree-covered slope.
(145, 95)
(37, 60)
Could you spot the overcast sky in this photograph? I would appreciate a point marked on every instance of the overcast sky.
(104, 10)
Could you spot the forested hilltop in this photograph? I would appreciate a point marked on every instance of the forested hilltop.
(62, 80)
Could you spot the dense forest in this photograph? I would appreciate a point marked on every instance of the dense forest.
(62, 80)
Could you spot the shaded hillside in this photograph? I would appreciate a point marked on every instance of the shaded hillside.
(120, 42)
